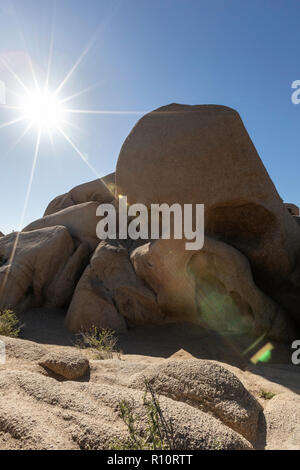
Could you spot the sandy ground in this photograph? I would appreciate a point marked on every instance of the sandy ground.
(184, 340)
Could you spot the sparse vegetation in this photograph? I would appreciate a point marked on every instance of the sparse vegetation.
(158, 434)
(102, 342)
(9, 324)
(217, 445)
(266, 395)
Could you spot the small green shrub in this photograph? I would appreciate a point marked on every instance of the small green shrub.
(217, 445)
(159, 432)
(266, 395)
(102, 342)
(9, 324)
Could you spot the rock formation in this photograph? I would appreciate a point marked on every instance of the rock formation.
(213, 286)
(292, 208)
(70, 365)
(80, 220)
(40, 267)
(204, 155)
(96, 190)
(109, 294)
(246, 279)
(206, 386)
(243, 284)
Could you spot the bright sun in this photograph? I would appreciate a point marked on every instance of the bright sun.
(43, 110)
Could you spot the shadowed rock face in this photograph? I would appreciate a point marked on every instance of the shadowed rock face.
(39, 268)
(292, 208)
(203, 154)
(213, 287)
(109, 294)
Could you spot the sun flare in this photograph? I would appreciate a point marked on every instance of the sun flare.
(42, 109)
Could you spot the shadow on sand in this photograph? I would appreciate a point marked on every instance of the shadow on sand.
(46, 326)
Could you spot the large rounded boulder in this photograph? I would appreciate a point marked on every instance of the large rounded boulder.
(203, 154)
(212, 287)
(40, 267)
(98, 190)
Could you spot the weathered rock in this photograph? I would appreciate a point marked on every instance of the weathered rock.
(282, 416)
(213, 287)
(39, 412)
(110, 181)
(292, 208)
(1, 234)
(297, 219)
(80, 220)
(63, 285)
(180, 355)
(208, 386)
(33, 262)
(96, 190)
(91, 306)
(110, 292)
(203, 154)
(69, 365)
(23, 349)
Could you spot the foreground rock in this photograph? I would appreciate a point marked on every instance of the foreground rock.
(203, 154)
(22, 349)
(39, 412)
(109, 294)
(212, 405)
(69, 365)
(40, 267)
(70, 415)
(283, 418)
(95, 190)
(65, 362)
(213, 287)
(209, 387)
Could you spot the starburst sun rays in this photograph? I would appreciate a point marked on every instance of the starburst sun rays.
(45, 112)
(42, 109)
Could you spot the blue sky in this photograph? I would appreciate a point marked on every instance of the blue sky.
(145, 54)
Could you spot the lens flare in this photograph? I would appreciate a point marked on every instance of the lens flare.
(263, 355)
